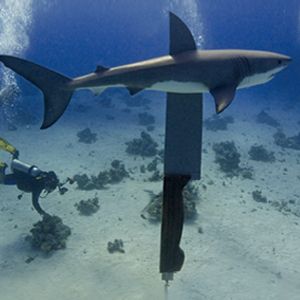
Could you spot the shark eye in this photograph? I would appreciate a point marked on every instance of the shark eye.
(279, 61)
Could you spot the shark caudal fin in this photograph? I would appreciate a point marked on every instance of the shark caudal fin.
(53, 85)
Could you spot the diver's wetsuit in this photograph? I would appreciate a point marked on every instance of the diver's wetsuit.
(30, 184)
(28, 178)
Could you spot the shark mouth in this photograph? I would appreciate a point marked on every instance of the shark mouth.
(277, 70)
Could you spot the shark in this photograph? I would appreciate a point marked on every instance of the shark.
(185, 70)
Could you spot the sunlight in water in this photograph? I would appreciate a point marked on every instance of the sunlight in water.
(15, 20)
(189, 11)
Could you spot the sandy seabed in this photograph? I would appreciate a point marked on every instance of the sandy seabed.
(247, 251)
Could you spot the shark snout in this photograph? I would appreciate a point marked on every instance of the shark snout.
(285, 60)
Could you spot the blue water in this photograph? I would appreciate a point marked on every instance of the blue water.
(84, 34)
(73, 37)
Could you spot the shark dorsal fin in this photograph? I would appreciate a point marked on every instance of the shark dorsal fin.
(101, 69)
(181, 39)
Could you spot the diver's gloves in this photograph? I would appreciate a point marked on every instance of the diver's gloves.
(6, 146)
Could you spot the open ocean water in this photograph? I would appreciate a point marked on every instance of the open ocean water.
(241, 236)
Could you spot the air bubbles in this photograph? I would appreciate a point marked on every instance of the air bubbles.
(15, 21)
(189, 11)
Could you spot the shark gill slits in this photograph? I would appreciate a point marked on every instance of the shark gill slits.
(245, 66)
(248, 66)
(236, 68)
(241, 68)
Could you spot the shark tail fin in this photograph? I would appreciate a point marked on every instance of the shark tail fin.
(55, 87)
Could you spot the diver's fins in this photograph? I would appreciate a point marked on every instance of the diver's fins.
(54, 86)
(6, 146)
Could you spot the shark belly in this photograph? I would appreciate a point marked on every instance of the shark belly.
(179, 87)
(256, 79)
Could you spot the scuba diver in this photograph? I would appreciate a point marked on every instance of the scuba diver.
(28, 178)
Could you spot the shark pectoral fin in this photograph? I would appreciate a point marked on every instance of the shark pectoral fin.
(181, 39)
(133, 91)
(223, 96)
